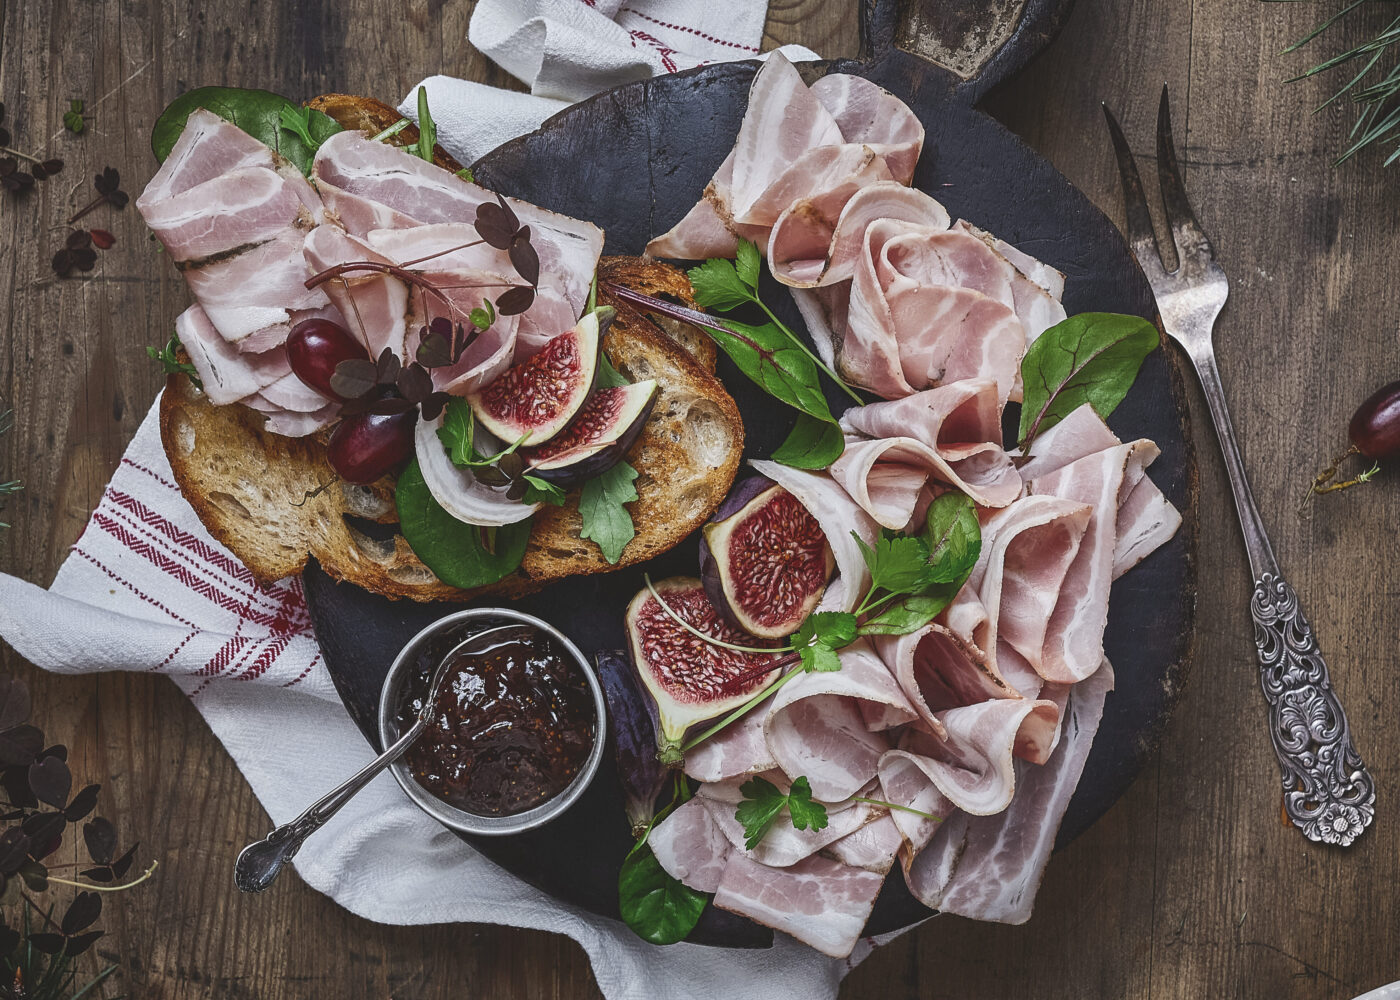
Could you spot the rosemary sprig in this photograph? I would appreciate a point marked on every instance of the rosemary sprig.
(1375, 87)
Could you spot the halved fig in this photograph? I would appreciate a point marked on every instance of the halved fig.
(541, 395)
(691, 680)
(764, 559)
(597, 439)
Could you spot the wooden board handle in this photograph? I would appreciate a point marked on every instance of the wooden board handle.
(971, 45)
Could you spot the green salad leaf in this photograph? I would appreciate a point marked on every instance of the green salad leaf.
(657, 907)
(260, 113)
(602, 505)
(1091, 358)
(462, 555)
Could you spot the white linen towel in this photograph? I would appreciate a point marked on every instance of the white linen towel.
(147, 588)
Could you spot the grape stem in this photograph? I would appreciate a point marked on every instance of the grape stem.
(1322, 482)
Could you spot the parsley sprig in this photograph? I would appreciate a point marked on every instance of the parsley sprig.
(763, 802)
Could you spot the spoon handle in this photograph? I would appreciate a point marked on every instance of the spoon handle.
(259, 863)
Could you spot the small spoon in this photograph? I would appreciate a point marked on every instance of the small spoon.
(260, 863)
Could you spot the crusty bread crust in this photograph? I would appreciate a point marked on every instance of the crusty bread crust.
(254, 490)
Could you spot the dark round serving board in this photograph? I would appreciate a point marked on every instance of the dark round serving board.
(633, 161)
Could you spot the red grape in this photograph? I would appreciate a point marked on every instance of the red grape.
(315, 347)
(365, 446)
(1375, 427)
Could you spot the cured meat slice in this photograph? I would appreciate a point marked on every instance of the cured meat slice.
(1036, 289)
(257, 289)
(228, 375)
(208, 147)
(289, 424)
(873, 847)
(1074, 638)
(784, 845)
(1146, 520)
(828, 726)
(903, 783)
(950, 434)
(237, 209)
(974, 765)
(938, 670)
(839, 518)
(375, 305)
(690, 847)
(821, 902)
(1078, 435)
(988, 868)
(739, 750)
(867, 113)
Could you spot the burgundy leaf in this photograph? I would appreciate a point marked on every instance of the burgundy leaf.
(512, 465)
(35, 875)
(387, 367)
(83, 942)
(432, 406)
(101, 838)
(515, 300)
(82, 804)
(433, 351)
(40, 174)
(82, 912)
(53, 166)
(495, 224)
(107, 182)
(123, 864)
(77, 239)
(414, 383)
(5, 138)
(354, 377)
(51, 781)
(118, 199)
(8, 165)
(517, 489)
(14, 850)
(14, 703)
(48, 944)
(20, 745)
(15, 781)
(62, 263)
(490, 475)
(103, 874)
(84, 259)
(442, 326)
(9, 940)
(524, 257)
(103, 240)
(46, 832)
(57, 750)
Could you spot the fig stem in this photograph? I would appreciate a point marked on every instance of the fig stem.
(705, 636)
(740, 712)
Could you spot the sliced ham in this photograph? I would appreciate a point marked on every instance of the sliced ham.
(830, 726)
(233, 211)
(247, 294)
(375, 305)
(784, 845)
(873, 847)
(867, 113)
(227, 374)
(989, 868)
(289, 423)
(690, 847)
(1036, 289)
(737, 751)
(822, 903)
(950, 434)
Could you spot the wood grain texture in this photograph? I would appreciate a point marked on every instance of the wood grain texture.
(1189, 887)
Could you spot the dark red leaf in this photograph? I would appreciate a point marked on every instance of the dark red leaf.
(103, 874)
(354, 377)
(49, 944)
(14, 703)
(512, 465)
(82, 912)
(53, 166)
(39, 173)
(51, 781)
(496, 224)
(103, 240)
(515, 300)
(517, 489)
(83, 942)
(46, 832)
(108, 181)
(82, 804)
(20, 745)
(57, 750)
(433, 351)
(77, 239)
(432, 406)
(84, 259)
(63, 263)
(35, 875)
(15, 781)
(8, 165)
(5, 138)
(491, 476)
(414, 383)
(524, 258)
(14, 850)
(123, 864)
(387, 367)
(101, 838)
(118, 199)
(9, 940)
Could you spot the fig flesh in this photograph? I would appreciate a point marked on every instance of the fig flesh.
(765, 560)
(691, 680)
(542, 394)
(599, 436)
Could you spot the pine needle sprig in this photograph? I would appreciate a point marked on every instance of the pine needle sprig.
(1375, 87)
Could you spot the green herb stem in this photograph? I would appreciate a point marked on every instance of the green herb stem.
(895, 805)
(797, 341)
(703, 635)
(739, 712)
(392, 130)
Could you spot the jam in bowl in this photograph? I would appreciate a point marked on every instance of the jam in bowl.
(515, 732)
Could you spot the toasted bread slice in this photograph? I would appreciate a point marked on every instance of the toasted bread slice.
(264, 496)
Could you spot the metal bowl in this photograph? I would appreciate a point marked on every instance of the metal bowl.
(402, 671)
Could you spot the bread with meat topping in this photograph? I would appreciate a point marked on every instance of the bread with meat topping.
(253, 490)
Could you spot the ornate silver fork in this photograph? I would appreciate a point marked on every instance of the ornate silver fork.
(1327, 791)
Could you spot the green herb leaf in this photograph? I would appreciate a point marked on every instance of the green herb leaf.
(819, 659)
(766, 355)
(1090, 358)
(602, 505)
(298, 121)
(257, 112)
(538, 490)
(717, 285)
(897, 563)
(813, 444)
(170, 362)
(748, 264)
(483, 315)
(954, 538)
(657, 907)
(763, 802)
(467, 175)
(832, 628)
(458, 436)
(462, 555)
(427, 129)
(608, 377)
(73, 117)
(909, 613)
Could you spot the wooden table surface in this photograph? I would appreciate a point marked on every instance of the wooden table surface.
(1189, 887)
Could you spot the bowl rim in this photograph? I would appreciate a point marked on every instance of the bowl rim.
(449, 815)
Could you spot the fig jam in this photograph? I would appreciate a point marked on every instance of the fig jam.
(511, 726)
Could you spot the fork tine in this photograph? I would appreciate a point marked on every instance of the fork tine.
(1193, 249)
(1141, 235)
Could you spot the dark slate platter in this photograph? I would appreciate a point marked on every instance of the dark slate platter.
(633, 161)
